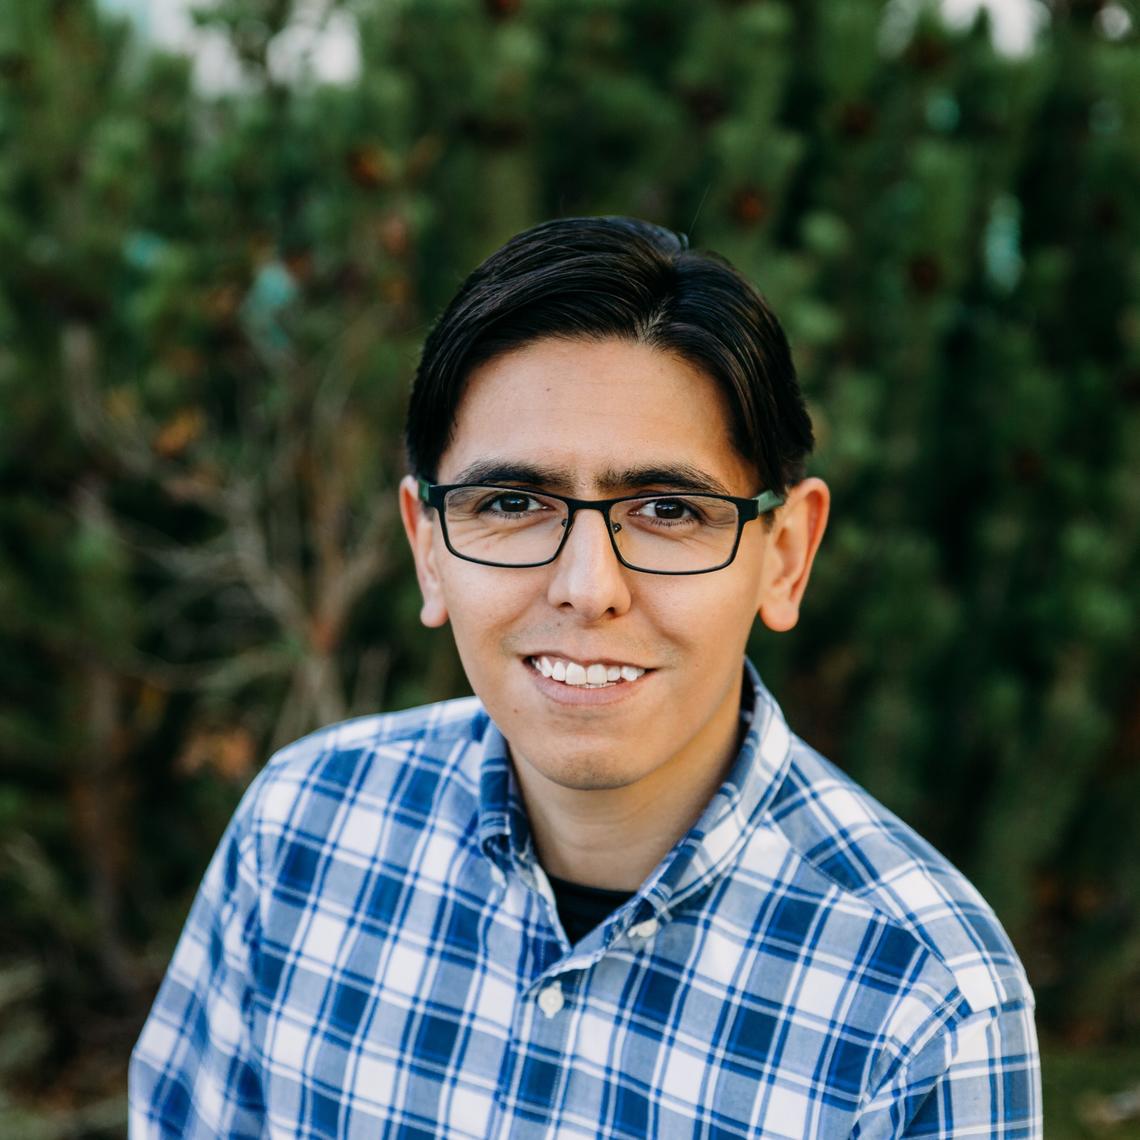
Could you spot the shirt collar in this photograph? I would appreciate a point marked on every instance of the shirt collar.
(706, 850)
(503, 829)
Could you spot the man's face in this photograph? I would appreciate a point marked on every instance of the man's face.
(598, 419)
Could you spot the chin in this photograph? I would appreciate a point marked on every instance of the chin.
(588, 772)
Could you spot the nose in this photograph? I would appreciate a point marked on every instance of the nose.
(587, 577)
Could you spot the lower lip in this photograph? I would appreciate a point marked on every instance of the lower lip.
(583, 694)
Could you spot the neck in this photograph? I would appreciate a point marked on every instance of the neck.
(614, 837)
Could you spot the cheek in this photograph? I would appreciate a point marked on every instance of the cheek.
(709, 614)
(483, 601)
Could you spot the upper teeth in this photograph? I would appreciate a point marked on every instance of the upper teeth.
(572, 673)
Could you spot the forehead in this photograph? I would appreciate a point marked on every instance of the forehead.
(592, 407)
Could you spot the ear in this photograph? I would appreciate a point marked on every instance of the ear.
(790, 552)
(426, 543)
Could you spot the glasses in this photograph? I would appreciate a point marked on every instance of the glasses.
(679, 533)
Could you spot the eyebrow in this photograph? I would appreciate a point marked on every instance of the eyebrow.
(612, 480)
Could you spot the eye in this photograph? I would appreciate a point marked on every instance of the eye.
(667, 510)
(511, 503)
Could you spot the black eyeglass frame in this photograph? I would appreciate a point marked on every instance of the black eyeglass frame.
(747, 509)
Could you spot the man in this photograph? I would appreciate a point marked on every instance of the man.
(611, 895)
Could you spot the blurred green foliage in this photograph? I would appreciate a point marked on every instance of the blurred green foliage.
(210, 310)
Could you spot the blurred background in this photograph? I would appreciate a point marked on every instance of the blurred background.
(223, 236)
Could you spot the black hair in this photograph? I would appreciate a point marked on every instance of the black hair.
(595, 278)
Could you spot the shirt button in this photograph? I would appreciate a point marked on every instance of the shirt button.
(550, 1001)
(646, 929)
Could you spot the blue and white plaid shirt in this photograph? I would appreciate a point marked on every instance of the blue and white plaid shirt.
(375, 952)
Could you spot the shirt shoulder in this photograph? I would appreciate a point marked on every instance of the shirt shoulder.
(370, 765)
(850, 839)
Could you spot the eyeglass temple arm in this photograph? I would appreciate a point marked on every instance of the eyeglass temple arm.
(767, 501)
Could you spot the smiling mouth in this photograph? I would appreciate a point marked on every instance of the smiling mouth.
(585, 675)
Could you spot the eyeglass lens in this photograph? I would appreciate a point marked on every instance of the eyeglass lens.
(509, 526)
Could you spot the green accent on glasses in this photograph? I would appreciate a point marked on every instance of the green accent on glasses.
(680, 532)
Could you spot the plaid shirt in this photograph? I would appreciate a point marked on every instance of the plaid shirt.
(375, 952)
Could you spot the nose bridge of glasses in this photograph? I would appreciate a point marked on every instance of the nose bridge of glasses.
(602, 506)
(576, 507)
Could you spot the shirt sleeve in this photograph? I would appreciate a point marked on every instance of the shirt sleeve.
(193, 1073)
(982, 1078)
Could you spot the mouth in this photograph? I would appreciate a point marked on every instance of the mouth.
(585, 674)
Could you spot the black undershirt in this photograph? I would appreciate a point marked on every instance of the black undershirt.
(581, 908)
